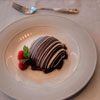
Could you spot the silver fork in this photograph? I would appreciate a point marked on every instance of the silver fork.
(29, 11)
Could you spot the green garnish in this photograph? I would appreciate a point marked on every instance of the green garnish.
(25, 60)
(26, 54)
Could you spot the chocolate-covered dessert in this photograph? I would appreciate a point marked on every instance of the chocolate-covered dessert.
(47, 53)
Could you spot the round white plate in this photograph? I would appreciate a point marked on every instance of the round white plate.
(59, 84)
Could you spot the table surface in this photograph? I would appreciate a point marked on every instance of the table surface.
(89, 18)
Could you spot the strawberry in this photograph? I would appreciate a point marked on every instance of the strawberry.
(22, 66)
(20, 55)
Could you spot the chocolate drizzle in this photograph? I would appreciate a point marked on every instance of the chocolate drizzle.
(47, 53)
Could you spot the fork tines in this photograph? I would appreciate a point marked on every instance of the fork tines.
(18, 7)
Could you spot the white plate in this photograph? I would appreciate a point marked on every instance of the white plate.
(59, 84)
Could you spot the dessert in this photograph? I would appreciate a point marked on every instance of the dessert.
(46, 54)
(20, 55)
(22, 66)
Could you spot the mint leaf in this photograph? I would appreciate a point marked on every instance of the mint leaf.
(25, 60)
(26, 53)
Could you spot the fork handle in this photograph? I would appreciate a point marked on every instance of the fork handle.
(69, 11)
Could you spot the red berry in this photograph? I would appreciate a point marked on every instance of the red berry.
(20, 55)
(22, 66)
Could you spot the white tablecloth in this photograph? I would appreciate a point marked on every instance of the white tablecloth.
(89, 18)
